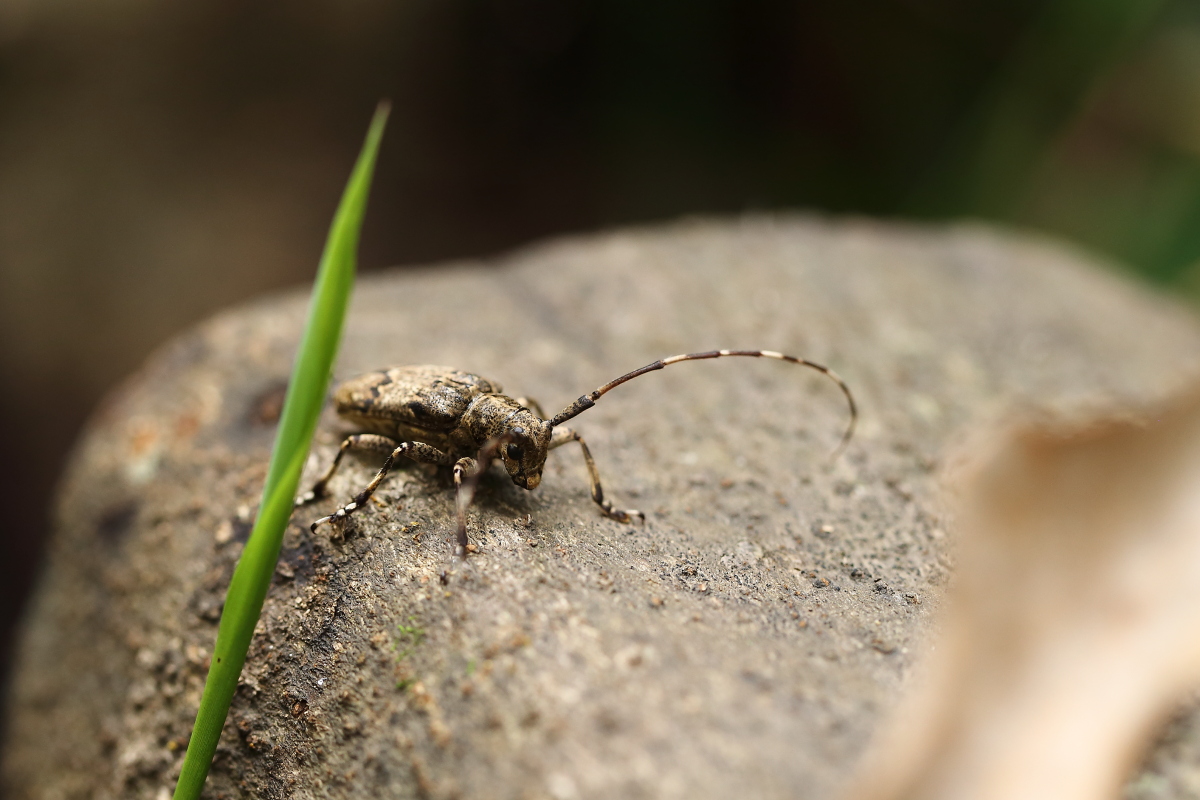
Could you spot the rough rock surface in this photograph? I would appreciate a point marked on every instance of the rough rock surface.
(743, 642)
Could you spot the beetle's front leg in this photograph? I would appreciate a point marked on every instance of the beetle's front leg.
(532, 405)
(562, 436)
(467, 472)
(417, 451)
(464, 492)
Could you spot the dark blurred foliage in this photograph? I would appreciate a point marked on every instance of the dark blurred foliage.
(161, 160)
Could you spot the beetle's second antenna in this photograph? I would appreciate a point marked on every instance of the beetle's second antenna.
(588, 400)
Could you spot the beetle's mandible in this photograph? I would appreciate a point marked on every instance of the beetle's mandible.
(440, 415)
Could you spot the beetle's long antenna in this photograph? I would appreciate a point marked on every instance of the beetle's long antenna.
(589, 400)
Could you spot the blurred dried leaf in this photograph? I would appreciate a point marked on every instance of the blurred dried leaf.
(1073, 626)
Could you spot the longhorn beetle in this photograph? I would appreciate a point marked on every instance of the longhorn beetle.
(440, 415)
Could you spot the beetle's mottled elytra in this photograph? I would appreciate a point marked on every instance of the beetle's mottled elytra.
(440, 415)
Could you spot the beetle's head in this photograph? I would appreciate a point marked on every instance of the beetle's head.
(524, 454)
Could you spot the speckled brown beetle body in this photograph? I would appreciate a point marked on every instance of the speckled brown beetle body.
(453, 411)
(440, 415)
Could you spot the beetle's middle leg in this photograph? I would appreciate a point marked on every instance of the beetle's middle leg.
(417, 451)
(562, 436)
(359, 441)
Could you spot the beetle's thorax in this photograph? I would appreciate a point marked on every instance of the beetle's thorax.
(524, 454)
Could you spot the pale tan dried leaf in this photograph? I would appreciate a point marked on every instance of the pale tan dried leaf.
(1073, 625)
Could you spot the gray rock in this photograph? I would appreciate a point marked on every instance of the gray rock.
(743, 642)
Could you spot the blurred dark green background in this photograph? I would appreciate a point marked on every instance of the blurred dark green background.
(161, 160)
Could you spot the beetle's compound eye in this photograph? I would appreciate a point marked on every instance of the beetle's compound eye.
(514, 452)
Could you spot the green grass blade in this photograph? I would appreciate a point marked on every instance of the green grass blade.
(301, 408)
